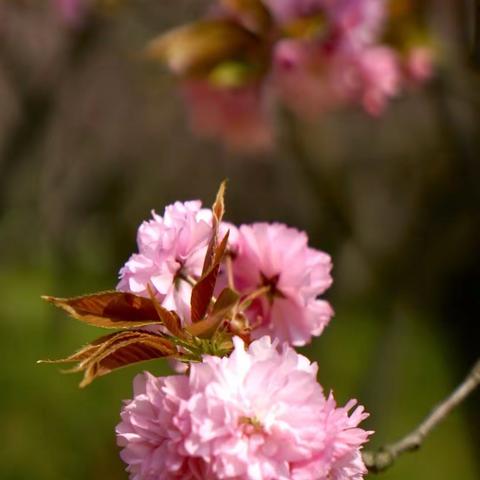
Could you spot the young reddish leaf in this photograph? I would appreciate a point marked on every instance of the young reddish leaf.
(109, 309)
(126, 352)
(206, 328)
(85, 352)
(202, 292)
(218, 210)
(117, 350)
(169, 318)
(218, 207)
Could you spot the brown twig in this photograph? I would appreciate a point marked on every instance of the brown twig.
(383, 458)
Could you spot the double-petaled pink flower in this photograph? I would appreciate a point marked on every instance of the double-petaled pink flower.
(171, 251)
(273, 257)
(258, 414)
(278, 257)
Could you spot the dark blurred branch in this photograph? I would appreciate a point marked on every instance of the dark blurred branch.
(384, 457)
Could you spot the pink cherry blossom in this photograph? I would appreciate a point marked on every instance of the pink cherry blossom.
(170, 250)
(258, 414)
(279, 257)
(236, 115)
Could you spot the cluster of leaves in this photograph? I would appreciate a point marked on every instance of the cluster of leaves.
(213, 320)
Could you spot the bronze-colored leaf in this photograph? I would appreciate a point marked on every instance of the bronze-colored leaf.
(206, 328)
(118, 350)
(218, 207)
(218, 210)
(126, 352)
(85, 352)
(110, 309)
(169, 318)
(202, 292)
(197, 47)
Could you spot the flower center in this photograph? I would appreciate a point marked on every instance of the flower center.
(271, 283)
(250, 425)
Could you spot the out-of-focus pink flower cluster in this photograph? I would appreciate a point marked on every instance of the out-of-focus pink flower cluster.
(258, 414)
(272, 257)
(315, 55)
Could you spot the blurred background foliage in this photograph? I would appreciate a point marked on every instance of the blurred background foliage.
(92, 138)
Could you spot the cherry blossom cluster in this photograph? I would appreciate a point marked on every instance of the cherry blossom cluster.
(227, 305)
(271, 263)
(310, 55)
(259, 413)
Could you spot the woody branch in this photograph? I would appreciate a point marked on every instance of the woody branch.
(384, 457)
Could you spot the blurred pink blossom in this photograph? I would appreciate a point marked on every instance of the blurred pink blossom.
(305, 67)
(371, 78)
(237, 115)
(170, 249)
(312, 55)
(72, 12)
(278, 257)
(356, 23)
(380, 76)
(419, 64)
(213, 424)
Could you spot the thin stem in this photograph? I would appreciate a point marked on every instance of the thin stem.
(187, 278)
(252, 296)
(229, 268)
(384, 457)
